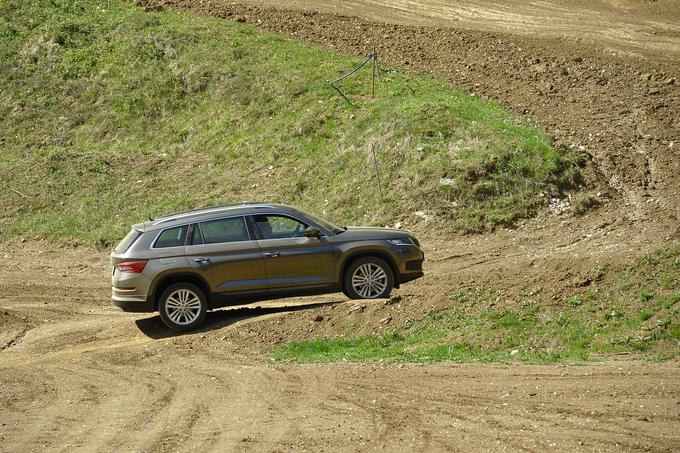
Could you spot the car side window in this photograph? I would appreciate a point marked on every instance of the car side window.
(196, 236)
(225, 230)
(278, 227)
(172, 237)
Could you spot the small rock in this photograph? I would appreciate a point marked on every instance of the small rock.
(397, 225)
(447, 182)
(514, 352)
(386, 320)
(422, 215)
(558, 206)
(241, 19)
(393, 300)
(654, 91)
(669, 81)
(318, 318)
(357, 307)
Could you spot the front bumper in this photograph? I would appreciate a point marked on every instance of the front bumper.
(411, 260)
(405, 278)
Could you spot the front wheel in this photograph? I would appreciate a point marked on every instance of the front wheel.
(183, 306)
(368, 278)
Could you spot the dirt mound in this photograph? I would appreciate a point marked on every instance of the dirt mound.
(622, 109)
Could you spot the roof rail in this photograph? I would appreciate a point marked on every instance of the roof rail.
(206, 210)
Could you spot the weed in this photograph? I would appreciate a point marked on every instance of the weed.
(574, 301)
(646, 295)
(645, 314)
(613, 315)
(671, 301)
(584, 202)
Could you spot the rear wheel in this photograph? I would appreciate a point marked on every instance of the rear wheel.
(183, 306)
(368, 278)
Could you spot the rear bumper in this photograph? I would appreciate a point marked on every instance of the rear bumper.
(134, 306)
(134, 303)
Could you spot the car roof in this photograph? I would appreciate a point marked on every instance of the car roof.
(212, 212)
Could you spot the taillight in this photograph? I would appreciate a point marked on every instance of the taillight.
(134, 267)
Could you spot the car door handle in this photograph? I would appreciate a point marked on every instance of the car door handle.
(271, 254)
(202, 260)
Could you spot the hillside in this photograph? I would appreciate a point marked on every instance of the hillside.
(110, 116)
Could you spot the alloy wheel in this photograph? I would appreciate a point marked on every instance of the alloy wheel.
(183, 306)
(369, 280)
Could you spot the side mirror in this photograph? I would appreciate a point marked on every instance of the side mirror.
(312, 232)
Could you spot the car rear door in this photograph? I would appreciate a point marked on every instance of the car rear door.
(293, 261)
(228, 258)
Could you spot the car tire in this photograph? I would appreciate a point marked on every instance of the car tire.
(368, 278)
(183, 306)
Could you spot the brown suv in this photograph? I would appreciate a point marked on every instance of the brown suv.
(185, 264)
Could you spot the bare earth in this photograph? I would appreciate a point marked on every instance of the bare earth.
(76, 373)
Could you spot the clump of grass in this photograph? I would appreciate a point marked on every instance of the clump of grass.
(112, 114)
(603, 320)
(645, 314)
(646, 295)
(584, 202)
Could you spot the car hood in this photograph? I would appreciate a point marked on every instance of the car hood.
(366, 233)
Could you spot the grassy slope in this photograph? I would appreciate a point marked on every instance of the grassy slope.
(630, 310)
(109, 116)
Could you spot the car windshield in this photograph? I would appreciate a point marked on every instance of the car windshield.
(324, 223)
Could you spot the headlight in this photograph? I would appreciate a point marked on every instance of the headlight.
(400, 241)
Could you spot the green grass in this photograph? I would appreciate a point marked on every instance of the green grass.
(114, 114)
(609, 318)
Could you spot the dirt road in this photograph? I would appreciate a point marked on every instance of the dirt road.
(76, 373)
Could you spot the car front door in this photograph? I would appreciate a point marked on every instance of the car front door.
(228, 258)
(294, 261)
